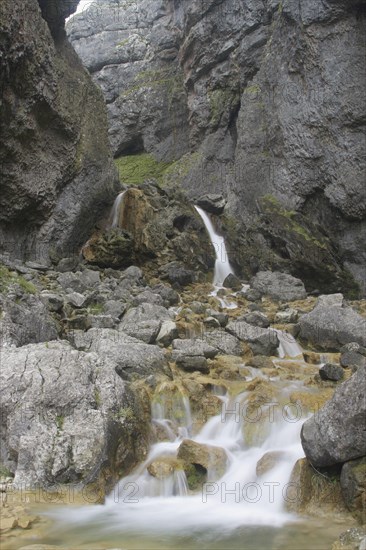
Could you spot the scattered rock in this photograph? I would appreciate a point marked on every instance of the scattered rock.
(178, 275)
(168, 332)
(262, 341)
(101, 321)
(75, 299)
(144, 322)
(232, 282)
(53, 302)
(287, 316)
(223, 318)
(192, 363)
(330, 371)
(115, 308)
(211, 322)
(223, 342)
(278, 286)
(194, 347)
(255, 318)
(312, 358)
(331, 326)
(261, 362)
(336, 433)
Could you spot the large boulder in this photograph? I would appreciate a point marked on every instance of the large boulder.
(62, 416)
(281, 287)
(224, 342)
(144, 322)
(330, 325)
(132, 357)
(212, 459)
(336, 433)
(262, 341)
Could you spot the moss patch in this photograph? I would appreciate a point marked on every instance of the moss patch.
(8, 278)
(135, 169)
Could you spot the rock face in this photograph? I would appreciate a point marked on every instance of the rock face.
(278, 286)
(245, 99)
(330, 326)
(57, 175)
(157, 228)
(336, 433)
(64, 418)
(353, 484)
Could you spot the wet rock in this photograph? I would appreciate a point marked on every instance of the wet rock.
(269, 461)
(110, 248)
(162, 468)
(232, 282)
(278, 286)
(313, 493)
(168, 332)
(144, 322)
(214, 204)
(336, 433)
(193, 363)
(255, 318)
(194, 347)
(353, 484)
(331, 326)
(261, 341)
(252, 295)
(330, 371)
(261, 362)
(212, 459)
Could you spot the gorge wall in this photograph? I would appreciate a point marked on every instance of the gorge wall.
(57, 175)
(260, 100)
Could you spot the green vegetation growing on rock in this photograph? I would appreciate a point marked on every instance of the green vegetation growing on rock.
(180, 169)
(135, 169)
(8, 278)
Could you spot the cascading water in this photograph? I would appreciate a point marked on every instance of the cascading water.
(114, 217)
(145, 505)
(222, 264)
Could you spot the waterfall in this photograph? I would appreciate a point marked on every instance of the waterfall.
(222, 264)
(114, 216)
(148, 504)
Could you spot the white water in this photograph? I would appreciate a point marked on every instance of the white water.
(144, 505)
(114, 217)
(222, 264)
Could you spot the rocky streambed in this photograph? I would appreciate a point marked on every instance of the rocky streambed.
(100, 366)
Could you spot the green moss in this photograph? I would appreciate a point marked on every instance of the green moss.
(5, 472)
(180, 169)
(158, 79)
(60, 419)
(96, 308)
(135, 169)
(220, 101)
(97, 397)
(125, 413)
(8, 278)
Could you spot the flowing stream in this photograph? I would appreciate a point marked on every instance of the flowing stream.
(115, 213)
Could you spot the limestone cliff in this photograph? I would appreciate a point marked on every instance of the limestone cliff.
(261, 100)
(57, 174)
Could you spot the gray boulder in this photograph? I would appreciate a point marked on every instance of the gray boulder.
(60, 410)
(278, 286)
(330, 325)
(191, 363)
(329, 371)
(144, 322)
(255, 318)
(225, 343)
(168, 332)
(52, 301)
(193, 347)
(336, 433)
(131, 356)
(262, 341)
